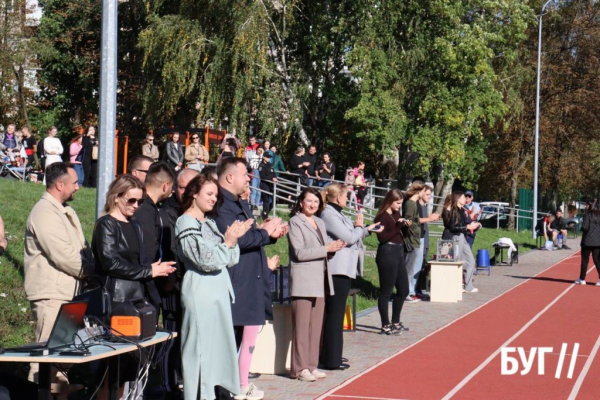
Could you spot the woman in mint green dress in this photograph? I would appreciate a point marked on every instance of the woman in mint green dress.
(208, 350)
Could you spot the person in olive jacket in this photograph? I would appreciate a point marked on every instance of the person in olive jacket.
(590, 241)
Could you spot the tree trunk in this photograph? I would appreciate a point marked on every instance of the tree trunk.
(20, 75)
(438, 172)
(514, 184)
(446, 190)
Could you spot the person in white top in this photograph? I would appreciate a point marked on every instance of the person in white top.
(53, 148)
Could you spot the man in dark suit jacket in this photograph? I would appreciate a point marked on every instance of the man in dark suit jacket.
(250, 277)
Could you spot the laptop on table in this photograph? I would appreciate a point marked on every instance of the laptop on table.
(67, 324)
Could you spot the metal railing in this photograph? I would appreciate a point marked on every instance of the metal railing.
(292, 187)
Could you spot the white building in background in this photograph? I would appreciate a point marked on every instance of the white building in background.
(35, 14)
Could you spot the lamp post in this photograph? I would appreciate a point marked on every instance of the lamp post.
(537, 121)
(108, 102)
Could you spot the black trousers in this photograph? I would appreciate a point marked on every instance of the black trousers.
(333, 329)
(172, 314)
(585, 258)
(87, 173)
(267, 201)
(392, 274)
(361, 192)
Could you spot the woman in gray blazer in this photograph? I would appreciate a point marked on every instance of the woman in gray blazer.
(345, 265)
(309, 275)
(174, 152)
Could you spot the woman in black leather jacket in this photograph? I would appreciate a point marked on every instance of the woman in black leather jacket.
(456, 227)
(118, 250)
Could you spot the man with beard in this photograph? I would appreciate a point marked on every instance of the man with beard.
(57, 256)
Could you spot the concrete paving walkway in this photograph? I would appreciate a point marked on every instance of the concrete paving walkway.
(365, 347)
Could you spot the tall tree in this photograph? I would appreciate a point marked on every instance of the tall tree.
(68, 47)
(427, 78)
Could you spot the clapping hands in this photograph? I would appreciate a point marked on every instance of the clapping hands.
(335, 246)
(273, 262)
(236, 231)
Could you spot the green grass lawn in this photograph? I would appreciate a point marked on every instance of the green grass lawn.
(17, 199)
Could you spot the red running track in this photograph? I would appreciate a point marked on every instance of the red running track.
(462, 360)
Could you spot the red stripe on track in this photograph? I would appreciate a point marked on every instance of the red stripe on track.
(590, 389)
(569, 321)
(436, 365)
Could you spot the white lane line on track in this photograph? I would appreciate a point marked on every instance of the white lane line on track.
(508, 342)
(361, 397)
(584, 371)
(355, 377)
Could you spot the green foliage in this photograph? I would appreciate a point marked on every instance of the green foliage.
(17, 200)
(428, 79)
(68, 48)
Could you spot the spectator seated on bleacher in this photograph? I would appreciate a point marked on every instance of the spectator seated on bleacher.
(559, 226)
(542, 228)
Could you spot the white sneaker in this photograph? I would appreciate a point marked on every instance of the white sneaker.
(474, 290)
(250, 392)
(306, 376)
(317, 373)
(581, 282)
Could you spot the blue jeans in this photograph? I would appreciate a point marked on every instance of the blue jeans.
(255, 184)
(414, 263)
(79, 169)
(323, 183)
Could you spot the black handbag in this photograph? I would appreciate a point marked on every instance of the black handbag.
(98, 298)
(408, 248)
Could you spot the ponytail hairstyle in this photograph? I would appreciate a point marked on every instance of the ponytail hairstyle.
(594, 211)
(415, 188)
(391, 197)
(332, 192)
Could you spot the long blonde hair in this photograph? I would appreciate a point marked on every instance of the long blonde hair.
(118, 188)
(415, 188)
(332, 192)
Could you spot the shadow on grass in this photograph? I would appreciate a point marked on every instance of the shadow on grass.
(528, 246)
(542, 278)
(367, 289)
(17, 263)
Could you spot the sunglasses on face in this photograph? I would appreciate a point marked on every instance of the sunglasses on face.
(468, 196)
(131, 201)
(195, 137)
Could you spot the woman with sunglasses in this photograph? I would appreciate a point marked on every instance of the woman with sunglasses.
(119, 255)
(196, 155)
(149, 149)
(117, 246)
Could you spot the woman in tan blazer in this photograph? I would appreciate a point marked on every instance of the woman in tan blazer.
(149, 149)
(196, 155)
(309, 275)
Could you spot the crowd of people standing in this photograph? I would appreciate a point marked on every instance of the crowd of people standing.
(21, 149)
(181, 235)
